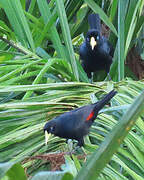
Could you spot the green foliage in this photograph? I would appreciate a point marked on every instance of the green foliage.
(14, 12)
(39, 79)
(12, 171)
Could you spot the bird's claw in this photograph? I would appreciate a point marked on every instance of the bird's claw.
(109, 77)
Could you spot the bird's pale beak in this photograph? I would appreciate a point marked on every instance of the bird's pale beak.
(93, 42)
(46, 137)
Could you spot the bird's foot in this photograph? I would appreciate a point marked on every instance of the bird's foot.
(76, 148)
(109, 77)
(70, 144)
(91, 81)
(72, 147)
(92, 77)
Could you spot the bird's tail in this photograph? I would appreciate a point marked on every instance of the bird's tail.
(100, 104)
(94, 22)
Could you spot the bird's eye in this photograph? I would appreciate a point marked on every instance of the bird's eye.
(97, 38)
(87, 39)
(52, 129)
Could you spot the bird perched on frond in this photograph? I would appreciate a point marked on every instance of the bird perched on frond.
(96, 52)
(76, 123)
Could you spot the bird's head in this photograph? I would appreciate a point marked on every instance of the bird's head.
(92, 38)
(49, 128)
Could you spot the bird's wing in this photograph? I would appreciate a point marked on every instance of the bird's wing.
(84, 113)
(82, 51)
(111, 49)
(105, 46)
(76, 116)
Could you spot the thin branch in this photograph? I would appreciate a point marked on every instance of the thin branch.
(19, 48)
(11, 43)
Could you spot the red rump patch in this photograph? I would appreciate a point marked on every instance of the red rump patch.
(90, 116)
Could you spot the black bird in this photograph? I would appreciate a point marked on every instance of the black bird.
(75, 124)
(96, 52)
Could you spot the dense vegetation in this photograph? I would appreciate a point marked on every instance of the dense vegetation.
(41, 77)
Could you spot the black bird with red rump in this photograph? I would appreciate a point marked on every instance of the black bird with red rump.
(96, 52)
(76, 123)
